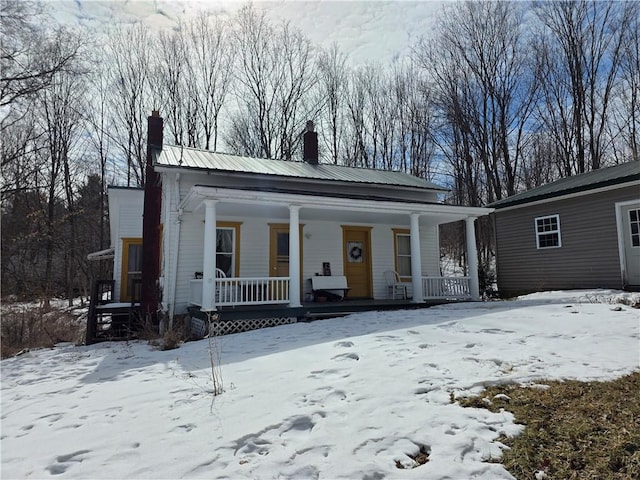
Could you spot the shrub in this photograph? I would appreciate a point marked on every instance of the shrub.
(27, 326)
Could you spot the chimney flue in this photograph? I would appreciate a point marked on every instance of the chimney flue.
(149, 294)
(310, 144)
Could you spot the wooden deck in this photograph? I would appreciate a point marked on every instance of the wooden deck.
(108, 320)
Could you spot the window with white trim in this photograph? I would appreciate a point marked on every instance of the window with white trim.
(548, 232)
(634, 226)
(225, 250)
(228, 248)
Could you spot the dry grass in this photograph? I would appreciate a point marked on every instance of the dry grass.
(27, 326)
(573, 430)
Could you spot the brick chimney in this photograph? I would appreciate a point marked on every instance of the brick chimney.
(310, 144)
(149, 300)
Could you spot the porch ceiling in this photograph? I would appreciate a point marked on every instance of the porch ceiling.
(240, 203)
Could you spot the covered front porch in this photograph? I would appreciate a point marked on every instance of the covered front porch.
(316, 229)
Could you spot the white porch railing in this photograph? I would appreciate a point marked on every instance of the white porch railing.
(244, 291)
(457, 288)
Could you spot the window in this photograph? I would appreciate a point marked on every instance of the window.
(634, 225)
(548, 232)
(402, 252)
(131, 274)
(228, 248)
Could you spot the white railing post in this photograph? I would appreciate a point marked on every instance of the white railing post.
(472, 259)
(294, 256)
(209, 257)
(416, 262)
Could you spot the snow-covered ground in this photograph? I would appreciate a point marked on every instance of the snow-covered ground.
(351, 397)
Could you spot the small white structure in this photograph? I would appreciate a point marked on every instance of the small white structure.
(271, 225)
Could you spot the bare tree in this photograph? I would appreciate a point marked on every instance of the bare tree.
(581, 57)
(482, 68)
(31, 56)
(129, 56)
(210, 67)
(628, 91)
(357, 150)
(60, 104)
(170, 67)
(416, 147)
(275, 78)
(333, 78)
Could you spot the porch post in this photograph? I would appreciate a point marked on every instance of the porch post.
(294, 256)
(472, 258)
(416, 261)
(209, 262)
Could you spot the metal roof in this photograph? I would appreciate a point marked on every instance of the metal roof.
(602, 177)
(190, 158)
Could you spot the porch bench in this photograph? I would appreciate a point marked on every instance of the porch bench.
(333, 287)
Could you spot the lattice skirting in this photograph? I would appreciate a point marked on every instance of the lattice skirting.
(198, 326)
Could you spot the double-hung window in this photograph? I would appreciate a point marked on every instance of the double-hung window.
(227, 248)
(402, 250)
(634, 226)
(548, 232)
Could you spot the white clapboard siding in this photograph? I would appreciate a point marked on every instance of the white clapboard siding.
(125, 207)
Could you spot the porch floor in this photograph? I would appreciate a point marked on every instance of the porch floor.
(315, 310)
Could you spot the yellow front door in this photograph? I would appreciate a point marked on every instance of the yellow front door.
(279, 250)
(356, 244)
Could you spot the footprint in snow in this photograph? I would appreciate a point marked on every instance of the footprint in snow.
(346, 356)
(63, 462)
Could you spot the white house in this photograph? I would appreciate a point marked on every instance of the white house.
(237, 231)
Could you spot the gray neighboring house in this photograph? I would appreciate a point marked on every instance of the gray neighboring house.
(578, 232)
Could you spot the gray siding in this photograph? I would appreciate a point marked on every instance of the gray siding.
(588, 258)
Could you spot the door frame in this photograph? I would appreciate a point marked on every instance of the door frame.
(273, 250)
(125, 294)
(621, 240)
(368, 257)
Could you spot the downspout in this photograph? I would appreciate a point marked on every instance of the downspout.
(176, 251)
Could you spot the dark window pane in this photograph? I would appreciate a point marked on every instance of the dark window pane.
(283, 244)
(404, 245)
(224, 262)
(404, 266)
(633, 215)
(224, 240)
(549, 240)
(134, 258)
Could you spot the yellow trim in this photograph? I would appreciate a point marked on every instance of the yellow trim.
(396, 232)
(125, 295)
(367, 230)
(236, 245)
(273, 227)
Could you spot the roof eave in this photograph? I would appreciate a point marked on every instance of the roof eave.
(560, 193)
(318, 181)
